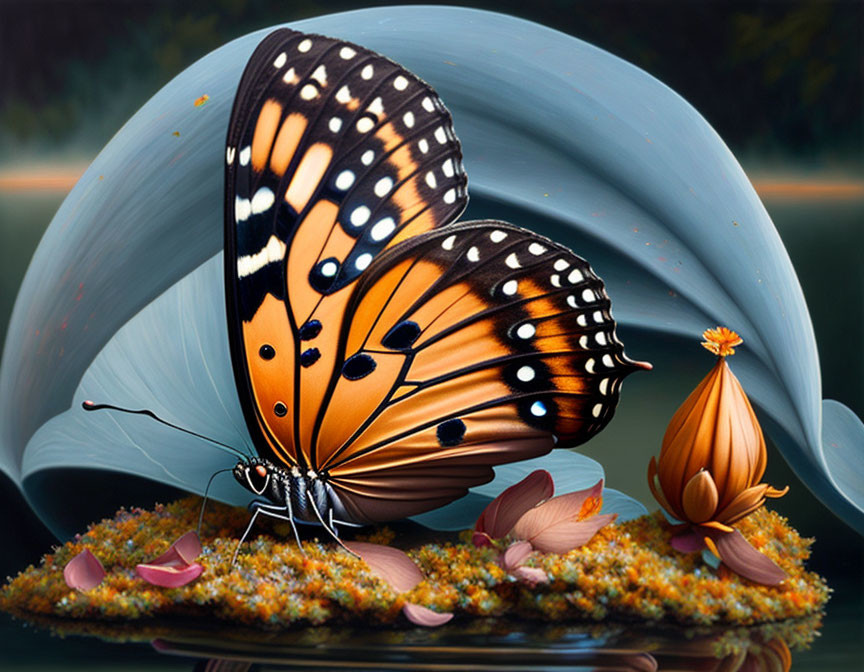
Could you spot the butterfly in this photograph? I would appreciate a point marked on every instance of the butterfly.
(386, 356)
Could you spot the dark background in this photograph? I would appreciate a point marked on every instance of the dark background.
(781, 82)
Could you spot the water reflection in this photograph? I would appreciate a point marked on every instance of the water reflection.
(487, 644)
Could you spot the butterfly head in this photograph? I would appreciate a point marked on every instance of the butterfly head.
(254, 474)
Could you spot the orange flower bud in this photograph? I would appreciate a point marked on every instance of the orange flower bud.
(713, 453)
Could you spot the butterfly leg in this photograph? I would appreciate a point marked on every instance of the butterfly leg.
(326, 526)
(245, 534)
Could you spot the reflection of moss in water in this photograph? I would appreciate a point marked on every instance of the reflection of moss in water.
(627, 572)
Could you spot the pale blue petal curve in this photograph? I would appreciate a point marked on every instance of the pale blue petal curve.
(550, 125)
(571, 471)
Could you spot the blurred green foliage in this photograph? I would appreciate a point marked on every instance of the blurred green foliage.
(774, 78)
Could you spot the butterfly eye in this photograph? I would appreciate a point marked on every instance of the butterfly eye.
(280, 409)
(261, 470)
(267, 352)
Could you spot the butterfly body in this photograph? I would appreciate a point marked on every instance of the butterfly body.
(387, 357)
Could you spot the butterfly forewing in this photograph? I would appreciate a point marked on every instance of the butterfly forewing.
(334, 153)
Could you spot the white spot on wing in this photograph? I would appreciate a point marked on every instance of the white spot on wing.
(262, 200)
(575, 276)
(583, 341)
(561, 265)
(320, 75)
(383, 228)
(448, 242)
(376, 107)
(607, 360)
(242, 209)
(525, 374)
(347, 53)
(245, 155)
(473, 254)
(536, 249)
(596, 410)
(329, 269)
(447, 168)
(383, 186)
(343, 95)
(365, 124)
(497, 236)
(510, 287)
(604, 386)
(281, 60)
(408, 119)
(423, 145)
(538, 408)
(440, 136)
(588, 295)
(526, 331)
(308, 92)
(600, 337)
(360, 216)
(430, 180)
(344, 180)
(598, 316)
(581, 320)
(555, 280)
(368, 157)
(428, 105)
(400, 83)
(362, 262)
(290, 76)
(450, 196)
(304, 46)
(589, 365)
(335, 124)
(512, 261)
(274, 250)
(367, 72)
(229, 155)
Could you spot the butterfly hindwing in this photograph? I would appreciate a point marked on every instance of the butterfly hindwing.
(467, 347)
(334, 153)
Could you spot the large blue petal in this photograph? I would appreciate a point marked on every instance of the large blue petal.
(607, 157)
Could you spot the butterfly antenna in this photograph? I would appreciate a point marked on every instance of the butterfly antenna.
(204, 502)
(90, 406)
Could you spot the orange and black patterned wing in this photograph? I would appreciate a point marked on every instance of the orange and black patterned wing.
(473, 345)
(334, 154)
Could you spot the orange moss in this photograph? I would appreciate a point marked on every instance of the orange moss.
(627, 572)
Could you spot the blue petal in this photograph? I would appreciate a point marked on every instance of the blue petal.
(597, 152)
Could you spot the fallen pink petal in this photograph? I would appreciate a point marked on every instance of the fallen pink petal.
(687, 542)
(389, 564)
(515, 555)
(530, 575)
(182, 552)
(564, 537)
(501, 515)
(426, 617)
(739, 555)
(563, 523)
(84, 571)
(169, 576)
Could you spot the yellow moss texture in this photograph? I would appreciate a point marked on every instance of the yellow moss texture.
(627, 572)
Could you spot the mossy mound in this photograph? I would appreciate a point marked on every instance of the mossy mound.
(628, 572)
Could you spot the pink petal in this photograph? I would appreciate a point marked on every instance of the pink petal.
(566, 536)
(687, 542)
(530, 575)
(84, 571)
(182, 552)
(422, 616)
(389, 564)
(515, 555)
(554, 511)
(502, 513)
(739, 556)
(168, 576)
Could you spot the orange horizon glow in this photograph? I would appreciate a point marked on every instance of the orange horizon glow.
(63, 178)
